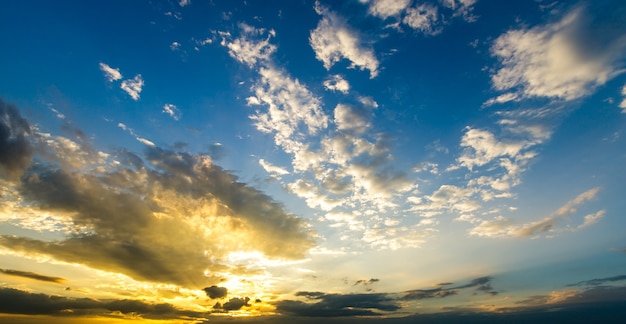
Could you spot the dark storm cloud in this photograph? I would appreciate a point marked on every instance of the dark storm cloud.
(15, 148)
(32, 275)
(598, 281)
(165, 216)
(13, 301)
(216, 292)
(333, 305)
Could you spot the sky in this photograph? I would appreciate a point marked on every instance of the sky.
(351, 161)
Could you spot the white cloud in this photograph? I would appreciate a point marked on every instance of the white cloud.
(387, 8)
(483, 147)
(133, 86)
(172, 111)
(424, 18)
(273, 169)
(112, 74)
(248, 49)
(183, 3)
(565, 60)
(623, 103)
(290, 104)
(175, 46)
(337, 83)
(333, 40)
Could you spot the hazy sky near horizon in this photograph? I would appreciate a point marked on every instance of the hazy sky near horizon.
(180, 161)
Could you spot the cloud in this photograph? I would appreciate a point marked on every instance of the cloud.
(351, 119)
(462, 8)
(137, 137)
(172, 111)
(320, 304)
(337, 305)
(424, 18)
(479, 284)
(598, 281)
(32, 275)
(333, 40)
(337, 83)
(248, 49)
(366, 282)
(112, 74)
(386, 8)
(339, 162)
(133, 86)
(270, 168)
(163, 220)
(175, 46)
(215, 292)
(13, 301)
(563, 60)
(15, 147)
(183, 3)
(233, 304)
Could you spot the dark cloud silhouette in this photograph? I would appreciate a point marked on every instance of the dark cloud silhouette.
(366, 282)
(480, 284)
(216, 292)
(15, 148)
(32, 275)
(235, 303)
(334, 305)
(13, 301)
(598, 281)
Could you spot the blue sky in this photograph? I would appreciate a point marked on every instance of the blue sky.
(282, 160)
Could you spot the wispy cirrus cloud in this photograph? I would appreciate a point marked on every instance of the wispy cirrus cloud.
(503, 227)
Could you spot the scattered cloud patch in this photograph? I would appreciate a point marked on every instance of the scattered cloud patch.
(133, 86)
(333, 40)
(172, 111)
(337, 83)
(111, 74)
(424, 18)
(386, 8)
